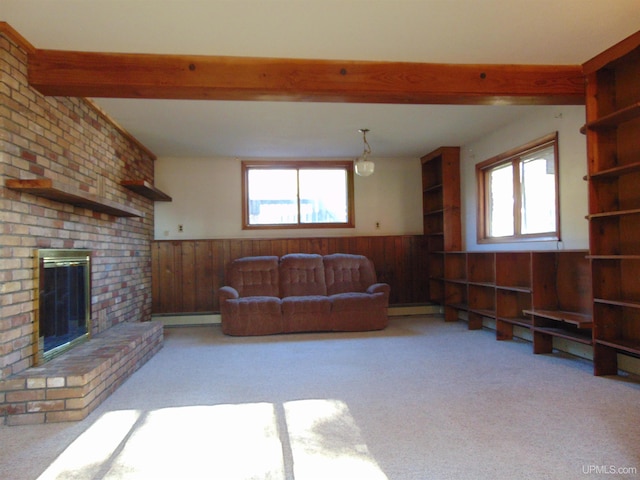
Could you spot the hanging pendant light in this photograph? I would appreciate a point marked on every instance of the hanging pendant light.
(363, 166)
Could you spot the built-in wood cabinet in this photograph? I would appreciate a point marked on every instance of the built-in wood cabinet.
(546, 292)
(613, 149)
(441, 213)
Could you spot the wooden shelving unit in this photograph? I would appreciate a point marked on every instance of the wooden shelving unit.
(146, 189)
(441, 213)
(455, 285)
(547, 292)
(613, 129)
(61, 192)
(561, 299)
(513, 292)
(481, 284)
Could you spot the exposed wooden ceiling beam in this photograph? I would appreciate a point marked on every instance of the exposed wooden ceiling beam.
(9, 32)
(89, 74)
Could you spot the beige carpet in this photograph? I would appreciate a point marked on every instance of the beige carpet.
(421, 400)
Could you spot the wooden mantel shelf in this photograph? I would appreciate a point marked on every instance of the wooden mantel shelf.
(60, 192)
(145, 189)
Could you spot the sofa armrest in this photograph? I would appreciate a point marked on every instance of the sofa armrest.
(379, 288)
(227, 293)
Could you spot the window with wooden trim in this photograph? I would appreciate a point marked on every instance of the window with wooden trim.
(297, 194)
(518, 193)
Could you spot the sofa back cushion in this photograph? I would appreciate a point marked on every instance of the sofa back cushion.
(255, 276)
(348, 273)
(302, 274)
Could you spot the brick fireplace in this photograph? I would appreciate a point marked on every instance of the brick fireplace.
(70, 142)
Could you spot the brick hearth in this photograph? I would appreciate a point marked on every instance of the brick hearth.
(70, 386)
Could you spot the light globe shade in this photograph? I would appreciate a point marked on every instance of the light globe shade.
(364, 168)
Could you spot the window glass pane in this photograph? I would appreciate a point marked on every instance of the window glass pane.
(273, 196)
(501, 201)
(323, 196)
(297, 194)
(538, 192)
(519, 192)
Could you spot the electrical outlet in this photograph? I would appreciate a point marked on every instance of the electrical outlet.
(378, 225)
(180, 228)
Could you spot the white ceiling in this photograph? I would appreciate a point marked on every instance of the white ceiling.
(430, 31)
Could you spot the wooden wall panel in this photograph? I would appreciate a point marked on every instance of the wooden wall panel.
(188, 264)
(188, 273)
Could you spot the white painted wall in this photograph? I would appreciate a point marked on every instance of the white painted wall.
(567, 120)
(207, 201)
(206, 191)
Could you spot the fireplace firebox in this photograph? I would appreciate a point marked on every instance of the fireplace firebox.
(64, 300)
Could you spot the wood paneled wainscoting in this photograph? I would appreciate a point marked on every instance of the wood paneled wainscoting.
(186, 274)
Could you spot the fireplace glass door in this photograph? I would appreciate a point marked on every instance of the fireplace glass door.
(64, 305)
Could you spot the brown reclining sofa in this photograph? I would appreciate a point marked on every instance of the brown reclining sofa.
(302, 292)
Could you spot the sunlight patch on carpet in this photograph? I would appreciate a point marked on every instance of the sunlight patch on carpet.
(230, 442)
(327, 443)
(218, 441)
(85, 457)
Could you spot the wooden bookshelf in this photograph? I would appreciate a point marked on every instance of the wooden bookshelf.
(546, 292)
(613, 129)
(441, 214)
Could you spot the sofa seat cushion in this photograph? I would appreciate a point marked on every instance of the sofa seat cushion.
(354, 301)
(309, 313)
(356, 311)
(302, 274)
(259, 315)
(264, 303)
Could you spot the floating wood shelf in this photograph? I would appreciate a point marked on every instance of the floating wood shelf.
(572, 335)
(520, 321)
(434, 212)
(514, 288)
(617, 257)
(618, 302)
(625, 344)
(458, 306)
(616, 171)
(60, 192)
(580, 320)
(483, 312)
(615, 213)
(616, 118)
(145, 189)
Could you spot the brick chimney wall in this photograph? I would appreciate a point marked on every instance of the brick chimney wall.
(70, 141)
